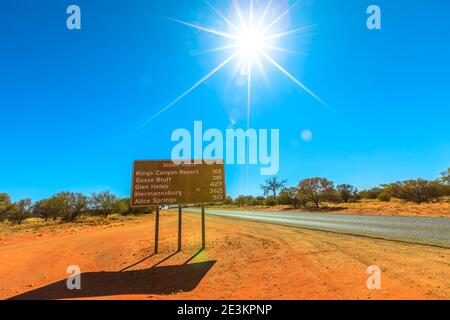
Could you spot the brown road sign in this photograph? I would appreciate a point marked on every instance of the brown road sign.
(163, 182)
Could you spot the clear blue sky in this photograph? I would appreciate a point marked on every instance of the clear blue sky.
(71, 102)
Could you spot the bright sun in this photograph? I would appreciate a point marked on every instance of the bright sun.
(250, 42)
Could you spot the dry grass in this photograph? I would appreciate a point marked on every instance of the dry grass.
(395, 207)
(83, 222)
(398, 208)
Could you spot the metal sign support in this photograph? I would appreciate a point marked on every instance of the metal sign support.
(156, 229)
(203, 228)
(180, 221)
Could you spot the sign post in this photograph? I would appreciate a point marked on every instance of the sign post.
(180, 223)
(156, 229)
(203, 228)
(158, 183)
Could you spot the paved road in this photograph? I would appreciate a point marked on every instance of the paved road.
(430, 231)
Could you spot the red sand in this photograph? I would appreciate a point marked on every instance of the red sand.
(243, 260)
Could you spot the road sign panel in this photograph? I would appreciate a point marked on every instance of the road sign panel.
(163, 182)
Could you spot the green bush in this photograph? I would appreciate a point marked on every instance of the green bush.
(270, 202)
(384, 197)
(371, 193)
(418, 191)
(255, 202)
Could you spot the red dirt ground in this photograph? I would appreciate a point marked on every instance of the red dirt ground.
(243, 260)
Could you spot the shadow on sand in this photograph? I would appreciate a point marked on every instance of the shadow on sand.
(155, 280)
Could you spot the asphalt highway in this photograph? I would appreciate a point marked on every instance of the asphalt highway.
(429, 231)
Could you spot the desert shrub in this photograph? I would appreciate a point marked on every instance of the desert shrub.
(270, 202)
(243, 200)
(384, 197)
(123, 208)
(228, 201)
(444, 190)
(371, 193)
(447, 191)
(289, 197)
(302, 199)
(330, 196)
(255, 202)
(347, 192)
(418, 191)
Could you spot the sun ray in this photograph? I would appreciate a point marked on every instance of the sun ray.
(285, 33)
(251, 13)
(230, 46)
(261, 69)
(264, 74)
(236, 29)
(216, 32)
(268, 46)
(239, 65)
(259, 64)
(281, 16)
(249, 93)
(263, 16)
(241, 17)
(198, 83)
(236, 69)
(286, 73)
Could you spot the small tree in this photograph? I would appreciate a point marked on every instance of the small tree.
(313, 188)
(273, 185)
(19, 211)
(241, 200)
(445, 177)
(418, 191)
(286, 198)
(42, 209)
(228, 201)
(301, 199)
(71, 205)
(5, 202)
(49, 208)
(4, 199)
(346, 192)
(104, 203)
(289, 197)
